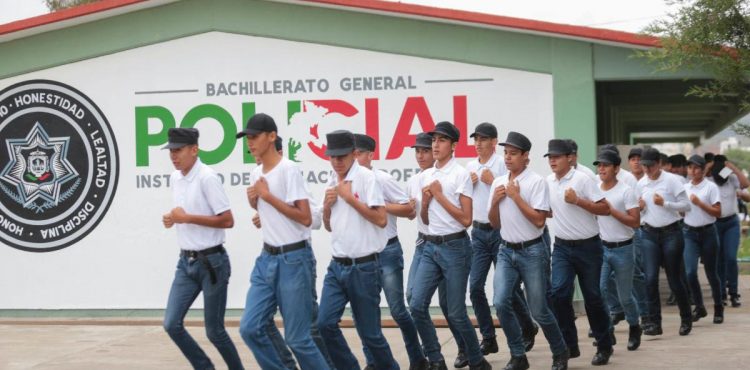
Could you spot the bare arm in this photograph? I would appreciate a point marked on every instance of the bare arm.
(744, 182)
(630, 218)
(223, 220)
(400, 210)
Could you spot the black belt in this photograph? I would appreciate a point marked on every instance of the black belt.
(698, 228)
(284, 248)
(725, 219)
(392, 240)
(574, 243)
(521, 245)
(440, 239)
(612, 245)
(482, 226)
(201, 256)
(346, 261)
(671, 227)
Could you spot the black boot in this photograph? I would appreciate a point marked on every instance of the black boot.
(686, 327)
(699, 312)
(574, 352)
(517, 363)
(601, 357)
(617, 317)
(611, 335)
(560, 362)
(483, 365)
(422, 364)
(461, 360)
(488, 345)
(718, 314)
(528, 338)
(735, 299)
(634, 337)
(438, 365)
(653, 328)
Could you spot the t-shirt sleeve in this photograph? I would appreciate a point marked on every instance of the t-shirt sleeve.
(713, 194)
(373, 196)
(295, 185)
(215, 195)
(629, 198)
(539, 197)
(592, 191)
(464, 185)
(393, 192)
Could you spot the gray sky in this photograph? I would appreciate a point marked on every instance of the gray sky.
(631, 15)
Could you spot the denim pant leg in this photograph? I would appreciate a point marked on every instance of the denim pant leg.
(413, 270)
(314, 331)
(563, 286)
(363, 289)
(729, 232)
(214, 307)
(619, 262)
(260, 306)
(507, 277)
(613, 300)
(277, 340)
(392, 279)
(443, 302)
(454, 260)
(185, 289)
(673, 246)
(652, 256)
(639, 276)
(333, 301)
(588, 267)
(484, 246)
(691, 255)
(426, 280)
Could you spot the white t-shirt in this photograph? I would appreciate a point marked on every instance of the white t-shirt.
(708, 193)
(672, 190)
(728, 195)
(481, 195)
(392, 193)
(622, 198)
(199, 193)
(570, 221)
(415, 192)
(626, 177)
(352, 235)
(587, 171)
(285, 182)
(515, 227)
(455, 181)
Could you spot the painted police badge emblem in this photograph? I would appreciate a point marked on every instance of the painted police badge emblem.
(58, 165)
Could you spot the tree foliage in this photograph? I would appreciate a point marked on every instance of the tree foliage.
(711, 36)
(55, 5)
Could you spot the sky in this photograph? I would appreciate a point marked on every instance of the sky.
(630, 15)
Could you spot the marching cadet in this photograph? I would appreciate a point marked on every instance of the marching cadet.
(575, 201)
(617, 233)
(519, 208)
(423, 154)
(392, 257)
(200, 216)
(701, 239)
(662, 198)
(354, 212)
(282, 275)
(446, 209)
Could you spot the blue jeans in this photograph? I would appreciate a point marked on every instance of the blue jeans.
(449, 262)
(639, 282)
(529, 265)
(484, 246)
(702, 244)
(619, 263)
(392, 278)
(359, 285)
(582, 259)
(665, 247)
(729, 240)
(283, 281)
(442, 299)
(190, 279)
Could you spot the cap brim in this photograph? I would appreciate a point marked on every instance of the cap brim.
(556, 153)
(421, 146)
(483, 135)
(647, 162)
(174, 145)
(510, 144)
(338, 152)
(446, 134)
(696, 163)
(600, 161)
(246, 132)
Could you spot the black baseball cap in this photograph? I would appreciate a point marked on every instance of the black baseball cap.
(339, 142)
(650, 157)
(559, 147)
(364, 143)
(423, 140)
(485, 129)
(179, 137)
(709, 157)
(697, 160)
(517, 140)
(611, 147)
(608, 157)
(258, 123)
(446, 129)
(678, 160)
(573, 146)
(635, 152)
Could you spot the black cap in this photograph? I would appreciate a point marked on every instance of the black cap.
(608, 157)
(339, 142)
(485, 129)
(258, 123)
(663, 158)
(559, 147)
(423, 140)
(179, 137)
(709, 157)
(278, 143)
(697, 160)
(573, 145)
(635, 152)
(678, 160)
(611, 147)
(650, 157)
(517, 140)
(364, 143)
(446, 129)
